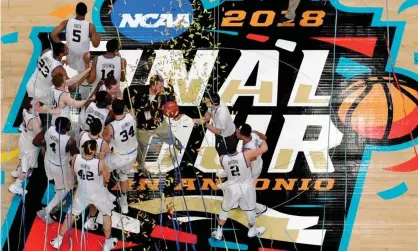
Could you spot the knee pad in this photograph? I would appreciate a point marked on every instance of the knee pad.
(223, 215)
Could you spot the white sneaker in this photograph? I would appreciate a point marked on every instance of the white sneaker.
(253, 232)
(16, 190)
(123, 205)
(45, 216)
(217, 235)
(16, 172)
(56, 242)
(258, 213)
(109, 244)
(91, 224)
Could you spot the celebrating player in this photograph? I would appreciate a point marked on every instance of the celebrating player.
(107, 65)
(28, 152)
(239, 190)
(100, 109)
(120, 133)
(59, 149)
(253, 140)
(112, 87)
(92, 174)
(79, 33)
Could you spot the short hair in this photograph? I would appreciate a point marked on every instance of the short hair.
(27, 103)
(95, 126)
(112, 45)
(102, 99)
(245, 130)
(155, 79)
(213, 97)
(89, 146)
(118, 106)
(58, 80)
(62, 124)
(231, 148)
(110, 81)
(81, 9)
(58, 48)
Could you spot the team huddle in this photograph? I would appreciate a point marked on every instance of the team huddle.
(80, 155)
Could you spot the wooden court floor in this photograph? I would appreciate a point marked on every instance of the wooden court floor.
(380, 225)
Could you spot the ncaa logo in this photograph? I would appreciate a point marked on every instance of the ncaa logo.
(152, 21)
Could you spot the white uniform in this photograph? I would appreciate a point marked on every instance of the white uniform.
(90, 188)
(78, 42)
(107, 67)
(58, 159)
(28, 152)
(239, 189)
(124, 144)
(256, 165)
(39, 86)
(65, 111)
(86, 137)
(92, 111)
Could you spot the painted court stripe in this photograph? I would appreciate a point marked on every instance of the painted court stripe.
(227, 244)
(349, 68)
(394, 192)
(305, 206)
(10, 38)
(2, 178)
(258, 38)
(234, 33)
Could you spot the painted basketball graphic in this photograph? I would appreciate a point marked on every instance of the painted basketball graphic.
(374, 117)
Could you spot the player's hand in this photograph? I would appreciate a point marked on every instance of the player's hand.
(221, 174)
(64, 62)
(37, 107)
(197, 121)
(221, 186)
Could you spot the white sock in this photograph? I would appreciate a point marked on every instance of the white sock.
(259, 208)
(58, 197)
(59, 237)
(219, 228)
(18, 182)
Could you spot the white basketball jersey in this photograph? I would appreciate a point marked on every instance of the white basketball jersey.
(78, 36)
(107, 67)
(42, 76)
(27, 135)
(91, 112)
(85, 136)
(236, 168)
(254, 143)
(65, 111)
(88, 175)
(124, 135)
(55, 147)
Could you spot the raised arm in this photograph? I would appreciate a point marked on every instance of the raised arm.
(123, 75)
(92, 74)
(102, 168)
(39, 140)
(94, 36)
(252, 154)
(72, 102)
(76, 80)
(55, 33)
(108, 133)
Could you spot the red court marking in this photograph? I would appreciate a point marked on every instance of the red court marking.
(173, 235)
(94, 242)
(363, 45)
(258, 38)
(408, 166)
(270, 249)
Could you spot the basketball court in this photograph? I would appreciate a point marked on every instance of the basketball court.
(335, 92)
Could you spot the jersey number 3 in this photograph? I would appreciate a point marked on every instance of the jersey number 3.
(125, 134)
(234, 170)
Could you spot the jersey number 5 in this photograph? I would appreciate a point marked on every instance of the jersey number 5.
(87, 176)
(76, 36)
(125, 134)
(234, 170)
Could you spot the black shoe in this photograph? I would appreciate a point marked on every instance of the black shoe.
(286, 20)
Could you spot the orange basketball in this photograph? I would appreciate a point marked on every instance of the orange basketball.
(171, 109)
(375, 108)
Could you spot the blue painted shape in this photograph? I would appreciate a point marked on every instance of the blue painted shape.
(326, 198)
(394, 192)
(349, 68)
(394, 50)
(8, 221)
(234, 33)
(407, 4)
(227, 244)
(49, 194)
(2, 178)
(210, 4)
(10, 38)
(96, 15)
(305, 206)
(151, 28)
(416, 58)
